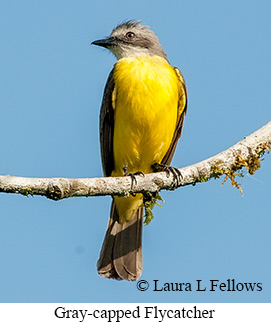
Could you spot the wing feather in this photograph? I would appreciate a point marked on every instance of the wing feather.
(107, 127)
(182, 107)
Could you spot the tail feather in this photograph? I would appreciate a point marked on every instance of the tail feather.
(121, 254)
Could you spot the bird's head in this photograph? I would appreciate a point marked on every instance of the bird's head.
(131, 39)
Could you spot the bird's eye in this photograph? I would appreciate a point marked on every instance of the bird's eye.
(130, 35)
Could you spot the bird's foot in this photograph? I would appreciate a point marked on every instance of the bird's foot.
(177, 175)
(133, 176)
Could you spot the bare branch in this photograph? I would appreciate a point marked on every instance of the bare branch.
(246, 153)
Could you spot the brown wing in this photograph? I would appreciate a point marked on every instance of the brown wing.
(107, 127)
(182, 107)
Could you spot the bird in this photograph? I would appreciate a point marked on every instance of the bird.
(141, 120)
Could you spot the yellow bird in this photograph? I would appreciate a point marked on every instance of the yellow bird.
(141, 120)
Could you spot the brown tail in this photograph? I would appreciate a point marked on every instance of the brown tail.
(121, 254)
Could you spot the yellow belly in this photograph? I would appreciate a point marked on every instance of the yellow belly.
(145, 103)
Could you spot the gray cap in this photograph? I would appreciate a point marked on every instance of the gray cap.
(130, 39)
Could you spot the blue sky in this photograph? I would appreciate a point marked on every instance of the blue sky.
(52, 82)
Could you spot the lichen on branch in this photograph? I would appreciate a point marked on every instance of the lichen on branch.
(246, 154)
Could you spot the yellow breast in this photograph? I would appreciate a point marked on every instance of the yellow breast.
(145, 103)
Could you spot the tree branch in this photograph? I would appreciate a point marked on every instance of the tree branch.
(246, 153)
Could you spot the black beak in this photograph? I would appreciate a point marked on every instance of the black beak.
(104, 42)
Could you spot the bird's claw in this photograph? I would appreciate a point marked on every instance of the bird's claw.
(177, 175)
(133, 177)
